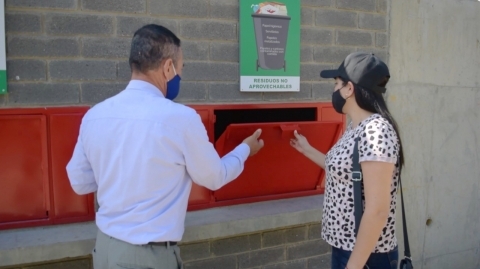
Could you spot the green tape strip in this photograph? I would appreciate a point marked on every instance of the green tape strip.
(3, 81)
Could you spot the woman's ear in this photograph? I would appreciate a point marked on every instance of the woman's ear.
(350, 89)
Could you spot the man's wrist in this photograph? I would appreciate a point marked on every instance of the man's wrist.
(244, 150)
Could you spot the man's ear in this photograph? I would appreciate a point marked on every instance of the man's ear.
(167, 68)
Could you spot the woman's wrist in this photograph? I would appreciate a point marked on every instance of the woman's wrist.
(309, 151)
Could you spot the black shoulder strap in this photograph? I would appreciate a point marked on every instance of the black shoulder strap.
(357, 197)
(405, 234)
(357, 186)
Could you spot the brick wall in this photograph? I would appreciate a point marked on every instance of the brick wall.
(291, 248)
(71, 52)
(297, 247)
(69, 263)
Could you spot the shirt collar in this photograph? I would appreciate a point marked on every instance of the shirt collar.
(143, 86)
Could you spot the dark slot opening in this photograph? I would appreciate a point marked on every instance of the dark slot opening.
(231, 116)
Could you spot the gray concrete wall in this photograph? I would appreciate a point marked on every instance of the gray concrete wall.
(73, 52)
(435, 95)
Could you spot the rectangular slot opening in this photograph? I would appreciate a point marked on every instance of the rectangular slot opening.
(232, 116)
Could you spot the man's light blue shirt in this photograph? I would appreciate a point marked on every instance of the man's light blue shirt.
(140, 152)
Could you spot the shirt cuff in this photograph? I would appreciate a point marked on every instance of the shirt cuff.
(243, 150)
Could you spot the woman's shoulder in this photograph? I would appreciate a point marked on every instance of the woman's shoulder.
(378, 140)
(376, 122)
(376, 129)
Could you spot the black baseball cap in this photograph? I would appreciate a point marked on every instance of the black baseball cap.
(363, 69)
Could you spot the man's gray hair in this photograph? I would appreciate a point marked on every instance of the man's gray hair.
(151, 45)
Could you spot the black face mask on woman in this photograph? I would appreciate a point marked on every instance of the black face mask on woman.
(338, 101)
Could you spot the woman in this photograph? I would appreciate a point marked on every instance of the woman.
(359, 83)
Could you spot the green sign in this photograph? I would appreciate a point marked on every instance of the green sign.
(270, 46)
(3, 58)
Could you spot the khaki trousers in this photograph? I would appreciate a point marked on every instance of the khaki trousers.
(111, 253)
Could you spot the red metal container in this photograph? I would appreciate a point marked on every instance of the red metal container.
(37, 143)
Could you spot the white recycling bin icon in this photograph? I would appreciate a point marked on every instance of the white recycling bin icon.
(271, 23)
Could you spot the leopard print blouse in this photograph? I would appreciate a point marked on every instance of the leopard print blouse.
(378, 142)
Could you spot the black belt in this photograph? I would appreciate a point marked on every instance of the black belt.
(162, 244)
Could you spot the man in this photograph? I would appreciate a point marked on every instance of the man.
(140, 152)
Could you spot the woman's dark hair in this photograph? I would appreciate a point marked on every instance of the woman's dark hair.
(152, 44)
(374, 102)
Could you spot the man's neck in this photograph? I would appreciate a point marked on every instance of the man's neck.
(150, 79)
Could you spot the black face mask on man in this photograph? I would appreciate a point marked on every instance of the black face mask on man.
(338, 101)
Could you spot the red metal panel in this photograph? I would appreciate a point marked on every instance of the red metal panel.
(23, 168)
(329, 114)
(325, 112)
(277, 168)
(205, 115)
(63, 137)
(199, 194)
